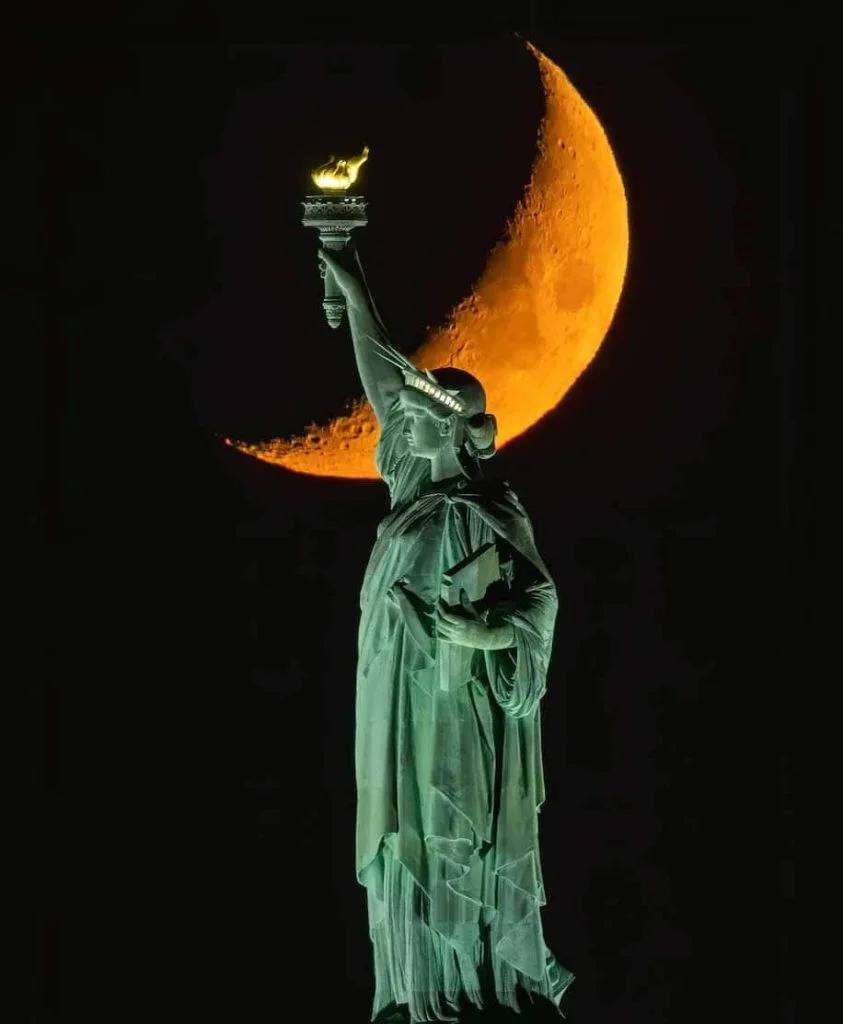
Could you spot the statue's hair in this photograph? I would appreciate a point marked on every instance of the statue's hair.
(480, 435)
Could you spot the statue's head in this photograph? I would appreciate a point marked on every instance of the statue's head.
(448, 412)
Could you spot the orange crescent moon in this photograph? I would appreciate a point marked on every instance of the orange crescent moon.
(541, 308)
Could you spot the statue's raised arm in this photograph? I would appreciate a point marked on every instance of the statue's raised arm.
(380, 375)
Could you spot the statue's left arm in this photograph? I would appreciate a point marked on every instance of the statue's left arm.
(517, 673)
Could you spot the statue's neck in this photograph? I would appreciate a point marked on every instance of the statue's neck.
(444, 466)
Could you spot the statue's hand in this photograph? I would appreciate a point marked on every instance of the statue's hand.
(467, 629)
(343, 266)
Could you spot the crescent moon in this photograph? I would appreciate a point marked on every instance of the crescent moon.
(541, 309)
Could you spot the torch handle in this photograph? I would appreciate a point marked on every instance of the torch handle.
(332, 289)
(334, 300)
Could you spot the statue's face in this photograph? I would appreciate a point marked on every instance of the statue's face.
(426, 436)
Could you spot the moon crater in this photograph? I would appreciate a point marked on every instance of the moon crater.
(542, 307)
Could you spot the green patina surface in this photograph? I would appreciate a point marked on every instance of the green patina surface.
(448, 738)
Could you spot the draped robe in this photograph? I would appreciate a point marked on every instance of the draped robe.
(449, 777)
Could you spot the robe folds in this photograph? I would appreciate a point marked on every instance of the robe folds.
(449, 769)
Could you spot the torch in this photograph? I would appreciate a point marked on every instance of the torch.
(335, 213)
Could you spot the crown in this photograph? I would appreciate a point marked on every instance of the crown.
(445, 396)
(421, 380)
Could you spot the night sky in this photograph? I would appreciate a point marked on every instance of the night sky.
(196, 741)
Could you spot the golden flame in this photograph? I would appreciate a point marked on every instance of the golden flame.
(340, 174)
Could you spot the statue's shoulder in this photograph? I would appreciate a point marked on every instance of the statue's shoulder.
(498, 487)
(497, 492)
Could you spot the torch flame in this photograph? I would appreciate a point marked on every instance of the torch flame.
(340, 174)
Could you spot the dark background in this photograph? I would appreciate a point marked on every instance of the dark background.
(195, 760)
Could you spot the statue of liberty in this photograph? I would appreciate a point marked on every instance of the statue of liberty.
(456, 630)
